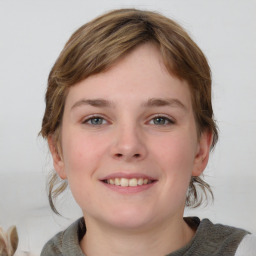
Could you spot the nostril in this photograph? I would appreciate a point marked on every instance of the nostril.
(119, 155)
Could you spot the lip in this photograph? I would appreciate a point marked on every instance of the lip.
(129, 189)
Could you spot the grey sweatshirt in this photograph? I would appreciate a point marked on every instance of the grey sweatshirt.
(210, 239)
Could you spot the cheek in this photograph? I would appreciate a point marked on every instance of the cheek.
(176, 160)
(179, 152)
(80, 162)
(80, 152)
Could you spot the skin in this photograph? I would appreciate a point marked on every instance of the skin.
(134, 120)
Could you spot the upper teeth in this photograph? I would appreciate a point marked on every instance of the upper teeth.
(128, 182)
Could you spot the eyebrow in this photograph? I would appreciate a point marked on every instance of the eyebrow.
(153, 102)
(161, 102)
(92, 102)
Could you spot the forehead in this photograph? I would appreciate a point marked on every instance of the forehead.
(137, 76)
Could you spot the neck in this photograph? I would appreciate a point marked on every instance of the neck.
(160, 240)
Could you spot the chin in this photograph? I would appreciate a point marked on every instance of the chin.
(130, 218)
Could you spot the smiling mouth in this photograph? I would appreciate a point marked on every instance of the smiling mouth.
(124, 182)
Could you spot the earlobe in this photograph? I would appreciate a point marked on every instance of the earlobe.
(57, 158)
(202, 156)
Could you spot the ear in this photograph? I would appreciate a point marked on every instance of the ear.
(56, 157)
(13, 238)
(203, 151)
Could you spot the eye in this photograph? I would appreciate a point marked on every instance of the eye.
(161, 120)
(96, 120)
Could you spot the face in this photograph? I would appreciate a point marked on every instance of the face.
(129, 143)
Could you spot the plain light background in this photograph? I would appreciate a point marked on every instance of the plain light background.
(32, 34)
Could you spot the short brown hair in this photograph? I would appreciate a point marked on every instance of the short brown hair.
(97, 45)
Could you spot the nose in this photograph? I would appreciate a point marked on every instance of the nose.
(129, 144)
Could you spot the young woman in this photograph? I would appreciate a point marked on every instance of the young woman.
(129, 123)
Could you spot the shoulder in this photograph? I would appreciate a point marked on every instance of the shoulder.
(221, 231)
(66, 242)
(225, 235)
(247, 246)
(216, 239)
(53, 246)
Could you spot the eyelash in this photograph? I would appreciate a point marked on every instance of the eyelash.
(90, 119)
(164, 121)
(162, 118)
